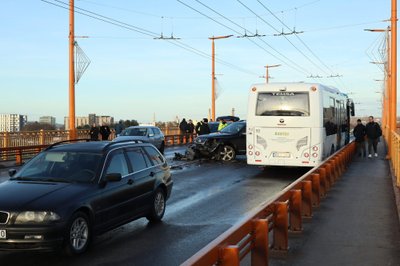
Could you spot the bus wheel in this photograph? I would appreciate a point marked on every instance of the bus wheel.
(227, 153)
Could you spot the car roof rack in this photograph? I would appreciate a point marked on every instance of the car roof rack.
(124, 141)
(65, 141)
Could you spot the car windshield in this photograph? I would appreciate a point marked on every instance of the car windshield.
(137, 131)
(233, 128)
(283, 104)
(61, 166)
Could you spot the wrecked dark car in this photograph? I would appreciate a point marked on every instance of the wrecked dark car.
(223, 145)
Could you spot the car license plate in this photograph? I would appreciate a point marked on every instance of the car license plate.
(282, 154)
(3, 234)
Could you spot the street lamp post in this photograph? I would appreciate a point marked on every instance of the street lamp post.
(213, 72)
(71, 122)
(266, 74)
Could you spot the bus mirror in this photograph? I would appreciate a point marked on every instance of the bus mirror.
(352, 109)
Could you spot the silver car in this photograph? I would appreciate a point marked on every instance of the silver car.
(149, 134)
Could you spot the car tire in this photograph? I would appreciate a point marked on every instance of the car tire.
(227, 153)
(78, 234)
(162, 147)
(158, 206)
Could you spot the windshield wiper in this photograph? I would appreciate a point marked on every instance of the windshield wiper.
(50, 179)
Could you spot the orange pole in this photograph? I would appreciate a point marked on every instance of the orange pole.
(213, 80)
(393, 65)
(266, 72)
(213, 73)
(72, 129)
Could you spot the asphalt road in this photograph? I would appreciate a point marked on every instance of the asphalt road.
(207, 198)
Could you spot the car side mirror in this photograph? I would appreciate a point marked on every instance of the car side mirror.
(12, 172)
(113, 177)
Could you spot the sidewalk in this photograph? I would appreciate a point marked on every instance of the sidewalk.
(357, 224)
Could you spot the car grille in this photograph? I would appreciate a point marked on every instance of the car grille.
(3, 217)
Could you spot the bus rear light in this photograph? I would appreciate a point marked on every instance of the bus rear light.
(306, 155)
(315, 155)
(250, 153)
(257, 153)
(250, 147)
(315, 148)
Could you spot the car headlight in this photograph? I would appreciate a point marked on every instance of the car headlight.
(29, 217)
(199, 140)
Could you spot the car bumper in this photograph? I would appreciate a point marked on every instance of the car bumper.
(32, 238)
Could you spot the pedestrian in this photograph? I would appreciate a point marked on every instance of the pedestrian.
(94, 132)
(105, 132)
(359, 133)
(373, 132)
(189, 130)
(202, 127)
(182, 129)
(222, 124)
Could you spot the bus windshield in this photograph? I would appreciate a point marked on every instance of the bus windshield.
(283, 104)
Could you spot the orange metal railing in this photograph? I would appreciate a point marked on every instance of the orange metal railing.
(395, 155)
(34, 142)
(278, 216)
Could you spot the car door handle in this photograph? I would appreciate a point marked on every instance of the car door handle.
(130, 182)
(152, 174)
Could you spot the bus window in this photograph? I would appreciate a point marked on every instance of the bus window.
(283, 104)
(330, 117)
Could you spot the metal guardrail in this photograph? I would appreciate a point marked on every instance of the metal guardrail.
(395, 155)
(25, 152)
(279, 215)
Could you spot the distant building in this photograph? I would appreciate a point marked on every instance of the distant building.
(80, 121)
(51, 120)
(12, 122)
(104, 120)
(89, 120)
(92, 119)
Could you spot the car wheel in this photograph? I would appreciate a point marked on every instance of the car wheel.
(158, 206)
(78, 234)
(162, 147)
(227, 153)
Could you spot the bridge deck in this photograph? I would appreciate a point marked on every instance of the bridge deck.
(357, 224)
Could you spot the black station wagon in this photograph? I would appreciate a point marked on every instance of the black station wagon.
(72, 191)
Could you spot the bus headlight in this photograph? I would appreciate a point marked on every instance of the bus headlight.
(302, 142)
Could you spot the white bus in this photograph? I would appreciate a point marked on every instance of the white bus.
(296, 124)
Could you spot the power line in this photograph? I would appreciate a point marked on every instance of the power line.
(294, 46)
(145, 32)
(298, 37)
(297, 68)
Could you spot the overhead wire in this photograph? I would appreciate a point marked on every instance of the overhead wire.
(302, 42)
(291, 43)
(144, 32)
(297, 68)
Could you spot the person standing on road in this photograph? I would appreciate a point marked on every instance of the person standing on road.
(373, 131)
(202, 127)
(105, 132)
(189, 129)
(182, 129)
(94, 132)
(359, 134)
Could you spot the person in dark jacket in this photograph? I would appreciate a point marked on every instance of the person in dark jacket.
(373, 132)
(202, 127)
(189, 130)
(182, 129)
(359, 134)
(94, 132)
(105, 132)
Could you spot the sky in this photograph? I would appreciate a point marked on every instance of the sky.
(134, 76)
